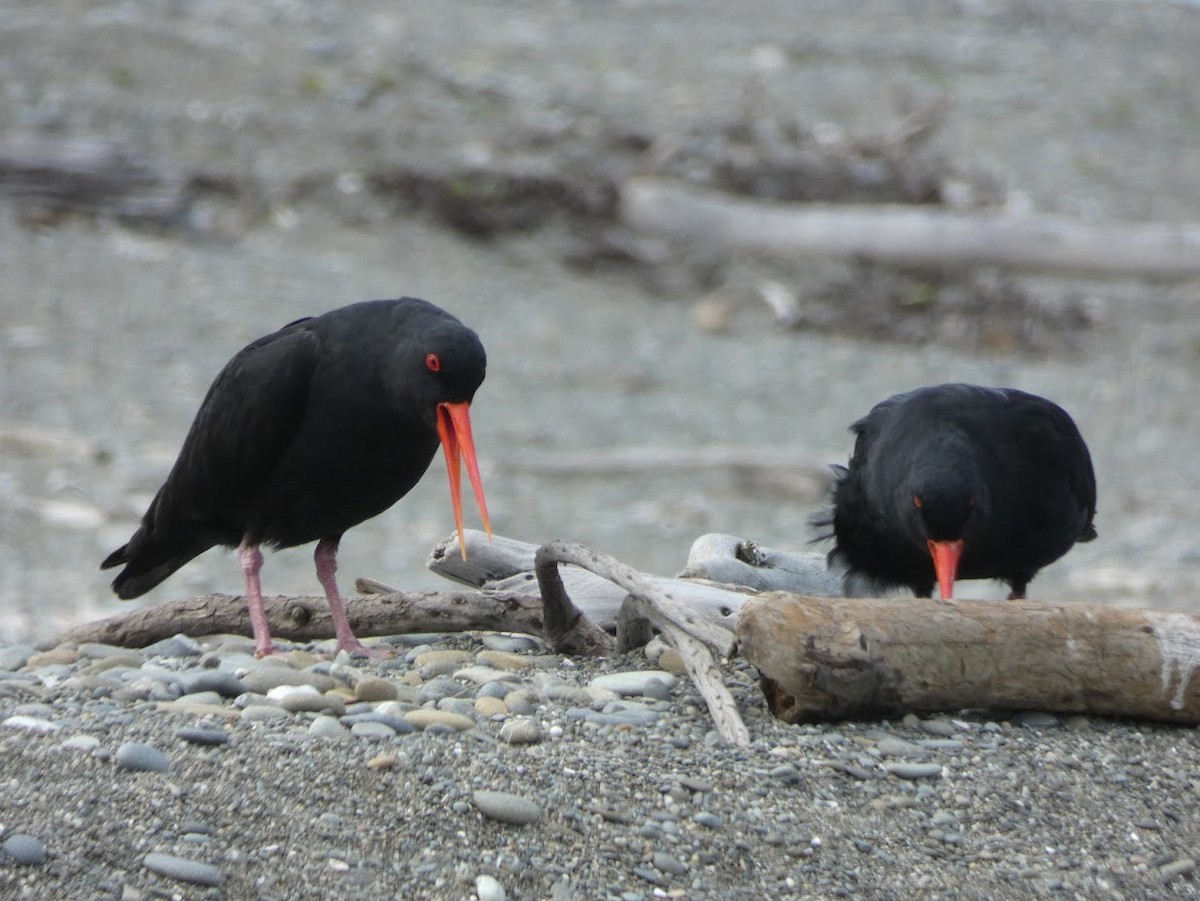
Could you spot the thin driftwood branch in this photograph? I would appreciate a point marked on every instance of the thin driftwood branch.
(832, 658)
(505, 564)
(307, 618)
(911, 235)
(693, 637)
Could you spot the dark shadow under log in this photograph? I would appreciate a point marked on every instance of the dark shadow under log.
(834, 658)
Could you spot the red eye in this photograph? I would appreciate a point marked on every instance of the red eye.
(432, 362)
(917, 501)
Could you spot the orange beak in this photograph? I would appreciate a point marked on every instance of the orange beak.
(945, 563)
(454, 428)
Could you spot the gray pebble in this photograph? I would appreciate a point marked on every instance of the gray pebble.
(512, 644)
(521, 731)
(225, 684)
(494, 690)
(373, 731)
(264, 713)
(651, 683)
(181, 868)
(398, 724)
(134, 755)
(15, 656)
(263, 678)
(943, 728)
(30, 723)
(81, 743)
(668, 864)
(488, 888)
(507, 808)
(710, 820)
(176, 646)
(898, 747)
(326, 727)
(203, 735)
(1180, 867)
(914, 770)
(25, 849)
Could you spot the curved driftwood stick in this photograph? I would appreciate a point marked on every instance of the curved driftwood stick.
(307, 618)
(694, 637)
(831, 658)
(911, 235)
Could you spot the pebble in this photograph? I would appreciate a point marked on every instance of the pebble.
(26, 850)
(30, 723)
(264, 713)
(373, 688)
(646, 683)
(306, 699)
(521, 731)
(668, 864)
(81, 743)
(914, 770)
(1181, 867)
(488, 888)
(15, 656)
(134, 755)
(327, 727)
(711, 820)
(502, 660)
(487, 706)
(424, 718)
(373, 731)
(264, 678)
(184, 870)
(481, 675)
(220, 682)
(506, 807)
(513, 644)
(203, 735)
(898, 747)
(175, 646)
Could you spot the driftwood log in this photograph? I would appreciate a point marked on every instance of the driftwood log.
(91, 175)
(828, 658)
(308, 619)
(911, 235)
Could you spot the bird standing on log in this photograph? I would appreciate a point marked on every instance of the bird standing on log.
(308, 432)
(960, 482)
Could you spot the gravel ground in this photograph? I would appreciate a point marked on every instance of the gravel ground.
(178, 772)
(109, 337)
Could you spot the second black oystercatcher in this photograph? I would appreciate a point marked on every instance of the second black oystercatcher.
(961, 482)
(308, 432)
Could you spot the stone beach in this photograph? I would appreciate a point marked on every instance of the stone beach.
(481, 766)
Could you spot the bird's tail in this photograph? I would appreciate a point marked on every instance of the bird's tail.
(147, 564)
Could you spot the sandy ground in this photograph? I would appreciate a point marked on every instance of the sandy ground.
(109, 336)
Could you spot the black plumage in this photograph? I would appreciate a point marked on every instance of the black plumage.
(961, 482)
(308, 432)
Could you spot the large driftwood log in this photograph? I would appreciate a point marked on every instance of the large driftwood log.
(828, 658)
(307, 618)
(911, 235)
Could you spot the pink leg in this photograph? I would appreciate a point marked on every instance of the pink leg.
(325, 557)
(251, 559)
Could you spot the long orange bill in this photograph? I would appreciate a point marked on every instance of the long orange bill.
(945, 563)
(454, 428)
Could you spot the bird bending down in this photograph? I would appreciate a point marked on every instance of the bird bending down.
(960, 482)
(308, 432)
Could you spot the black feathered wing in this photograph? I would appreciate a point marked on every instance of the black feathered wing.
(248, 418)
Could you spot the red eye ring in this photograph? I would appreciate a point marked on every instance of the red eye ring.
(432, 362)
(917, 501)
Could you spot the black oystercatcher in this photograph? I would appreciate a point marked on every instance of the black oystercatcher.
(307, 432)
(961, 482)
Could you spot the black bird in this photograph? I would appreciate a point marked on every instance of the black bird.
(961, 482)
(307, 432)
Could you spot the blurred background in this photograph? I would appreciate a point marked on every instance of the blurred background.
(179, 178)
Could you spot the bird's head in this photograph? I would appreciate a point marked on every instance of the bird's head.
(440, 364)
(944, 505)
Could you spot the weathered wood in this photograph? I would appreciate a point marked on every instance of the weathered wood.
(911, 235)
(308, 619)
(695, 638)
(91, 175)
(505, 564)
(834, 658)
